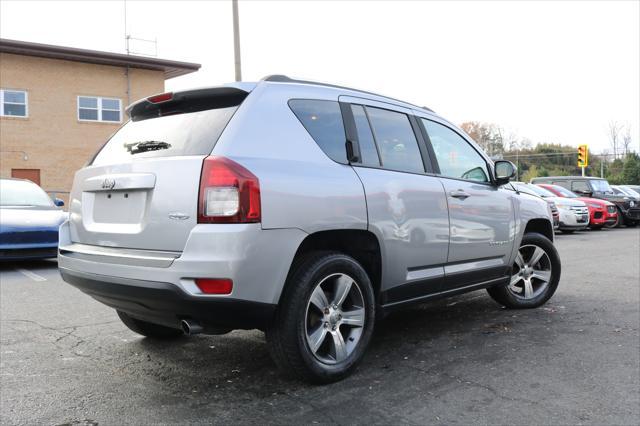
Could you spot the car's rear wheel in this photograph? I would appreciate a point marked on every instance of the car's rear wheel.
(535, 274)
(147, 329)
(325, 319)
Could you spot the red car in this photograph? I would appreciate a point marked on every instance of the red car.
(601, 212)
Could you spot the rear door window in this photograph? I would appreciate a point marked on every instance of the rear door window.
(396, 141)
(580, 185)
(323, 121)
(367, 144)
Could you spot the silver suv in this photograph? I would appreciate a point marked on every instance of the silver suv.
(305, 210)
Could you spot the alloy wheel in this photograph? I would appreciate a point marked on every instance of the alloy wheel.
(531, 272)
(335, 318)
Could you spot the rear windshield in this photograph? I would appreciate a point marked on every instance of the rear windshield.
(192, 133)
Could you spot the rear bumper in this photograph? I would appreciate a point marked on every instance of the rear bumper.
(160, 286)
(164, 303)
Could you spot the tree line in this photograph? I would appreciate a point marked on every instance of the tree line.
(622, 166)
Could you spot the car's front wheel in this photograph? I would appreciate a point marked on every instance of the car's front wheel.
(325, 319)
(535, 274)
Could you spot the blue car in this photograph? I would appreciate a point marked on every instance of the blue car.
(29, 221)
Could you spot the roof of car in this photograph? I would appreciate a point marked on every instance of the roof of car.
(565, 178)
(12, 178)
(279, 78)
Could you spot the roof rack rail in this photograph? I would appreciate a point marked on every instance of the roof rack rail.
(281, 78)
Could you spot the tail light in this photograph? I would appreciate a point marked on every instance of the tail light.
(229, 193)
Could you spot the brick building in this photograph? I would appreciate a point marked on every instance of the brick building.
(59, 104)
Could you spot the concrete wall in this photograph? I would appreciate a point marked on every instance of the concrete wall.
(55, 141)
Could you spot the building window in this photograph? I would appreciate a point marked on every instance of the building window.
(92, 108)
(13, 103)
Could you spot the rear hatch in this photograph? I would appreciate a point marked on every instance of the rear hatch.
(141, 189)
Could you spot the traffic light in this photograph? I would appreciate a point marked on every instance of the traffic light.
(583, 156)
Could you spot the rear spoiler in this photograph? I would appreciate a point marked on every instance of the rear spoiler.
(171, 103)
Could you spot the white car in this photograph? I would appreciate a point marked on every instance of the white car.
(574, 214)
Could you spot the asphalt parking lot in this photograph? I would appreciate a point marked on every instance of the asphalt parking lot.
(67, 359)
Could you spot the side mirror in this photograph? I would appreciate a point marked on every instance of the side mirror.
(58, 202)
(504, 171)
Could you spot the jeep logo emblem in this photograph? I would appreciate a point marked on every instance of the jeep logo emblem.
(108, 183)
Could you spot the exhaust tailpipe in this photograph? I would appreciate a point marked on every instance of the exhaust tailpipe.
(190, 327)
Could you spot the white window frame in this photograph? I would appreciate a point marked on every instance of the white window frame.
(99, 109)
(26, 103)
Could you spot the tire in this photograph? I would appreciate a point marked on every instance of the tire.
(150, 330)
(614, 224)
(514, 295)
(305, 317)
(620, 220)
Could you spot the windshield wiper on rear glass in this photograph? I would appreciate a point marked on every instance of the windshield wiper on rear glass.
(144, 146)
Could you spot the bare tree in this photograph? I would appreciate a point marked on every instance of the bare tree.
(487, 135)
(614, 136)
(626, 139)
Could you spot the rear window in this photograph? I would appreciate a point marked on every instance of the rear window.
(193, 133)
(323, 121)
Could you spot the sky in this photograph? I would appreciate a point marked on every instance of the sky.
(555, 72)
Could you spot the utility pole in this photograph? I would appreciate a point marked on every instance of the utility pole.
(127, 71)
(236, 40)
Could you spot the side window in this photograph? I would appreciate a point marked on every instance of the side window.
(396, 141)
(91, 108)
(580, 185)
(323, 121)
(368, 150)
(13, 103)
(456, 158)
(562, 183)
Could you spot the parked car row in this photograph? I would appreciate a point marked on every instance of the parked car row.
(586, 202)
(624, 198)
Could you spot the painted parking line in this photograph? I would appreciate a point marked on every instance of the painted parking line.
(31, 275)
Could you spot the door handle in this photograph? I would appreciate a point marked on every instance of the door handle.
(459, 194)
